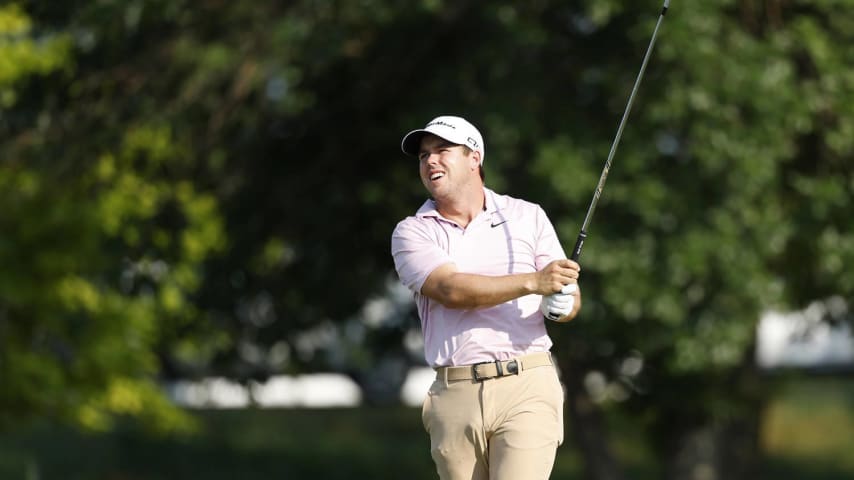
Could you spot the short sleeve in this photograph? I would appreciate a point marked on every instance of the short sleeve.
(416, 251)
(548, 245)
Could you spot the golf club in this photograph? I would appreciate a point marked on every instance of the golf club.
(579, 243)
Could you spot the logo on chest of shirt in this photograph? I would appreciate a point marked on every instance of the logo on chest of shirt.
(497, 223)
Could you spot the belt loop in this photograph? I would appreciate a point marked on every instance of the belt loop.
(445, 371)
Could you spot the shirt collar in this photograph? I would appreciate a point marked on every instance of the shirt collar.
(493, 203)
(428, 209)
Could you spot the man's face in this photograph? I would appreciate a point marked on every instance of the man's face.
(445, 167)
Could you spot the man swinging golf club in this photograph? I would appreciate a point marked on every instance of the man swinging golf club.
(485, 269)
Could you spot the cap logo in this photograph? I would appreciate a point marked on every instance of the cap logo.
(472, 142)
(444, 124)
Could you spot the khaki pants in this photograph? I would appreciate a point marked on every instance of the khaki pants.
(501, 428)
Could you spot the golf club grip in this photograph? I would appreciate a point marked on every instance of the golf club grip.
(579, 243)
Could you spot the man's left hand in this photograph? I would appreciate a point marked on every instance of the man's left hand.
(559, 305)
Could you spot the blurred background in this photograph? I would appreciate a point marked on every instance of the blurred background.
(197, 198)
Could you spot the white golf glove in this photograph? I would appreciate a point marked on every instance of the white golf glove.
(557, 305)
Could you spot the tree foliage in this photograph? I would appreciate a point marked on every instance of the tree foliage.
(209, 187)
(103, 246)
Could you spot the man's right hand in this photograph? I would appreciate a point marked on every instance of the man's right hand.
(556, 275)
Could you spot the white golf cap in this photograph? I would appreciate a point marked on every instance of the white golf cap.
(453, 129)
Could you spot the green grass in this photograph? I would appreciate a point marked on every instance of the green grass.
(294, 444)
(808, 433)
(810, 429)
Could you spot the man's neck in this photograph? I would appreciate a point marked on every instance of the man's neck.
(462, 210)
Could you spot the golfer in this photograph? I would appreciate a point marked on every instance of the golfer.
(486, 270)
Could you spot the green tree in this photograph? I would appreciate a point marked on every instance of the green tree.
(102, 247)
(729, 197)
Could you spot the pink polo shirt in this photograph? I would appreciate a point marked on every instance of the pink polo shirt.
(510, 236)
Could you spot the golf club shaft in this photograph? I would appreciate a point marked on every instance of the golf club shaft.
(579, 243)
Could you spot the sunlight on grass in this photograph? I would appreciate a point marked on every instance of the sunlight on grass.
(813, 423)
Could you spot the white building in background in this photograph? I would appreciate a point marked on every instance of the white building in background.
(417, 383)
(805, 339)
(319, 390)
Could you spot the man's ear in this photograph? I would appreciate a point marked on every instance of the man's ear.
(475, 155)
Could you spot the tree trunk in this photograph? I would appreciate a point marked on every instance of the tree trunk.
(700, 444)
(589, 430)
(728, 451)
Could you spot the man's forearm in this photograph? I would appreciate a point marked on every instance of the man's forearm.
(468, 291)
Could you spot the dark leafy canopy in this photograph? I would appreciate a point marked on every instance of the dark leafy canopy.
(190, 187)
